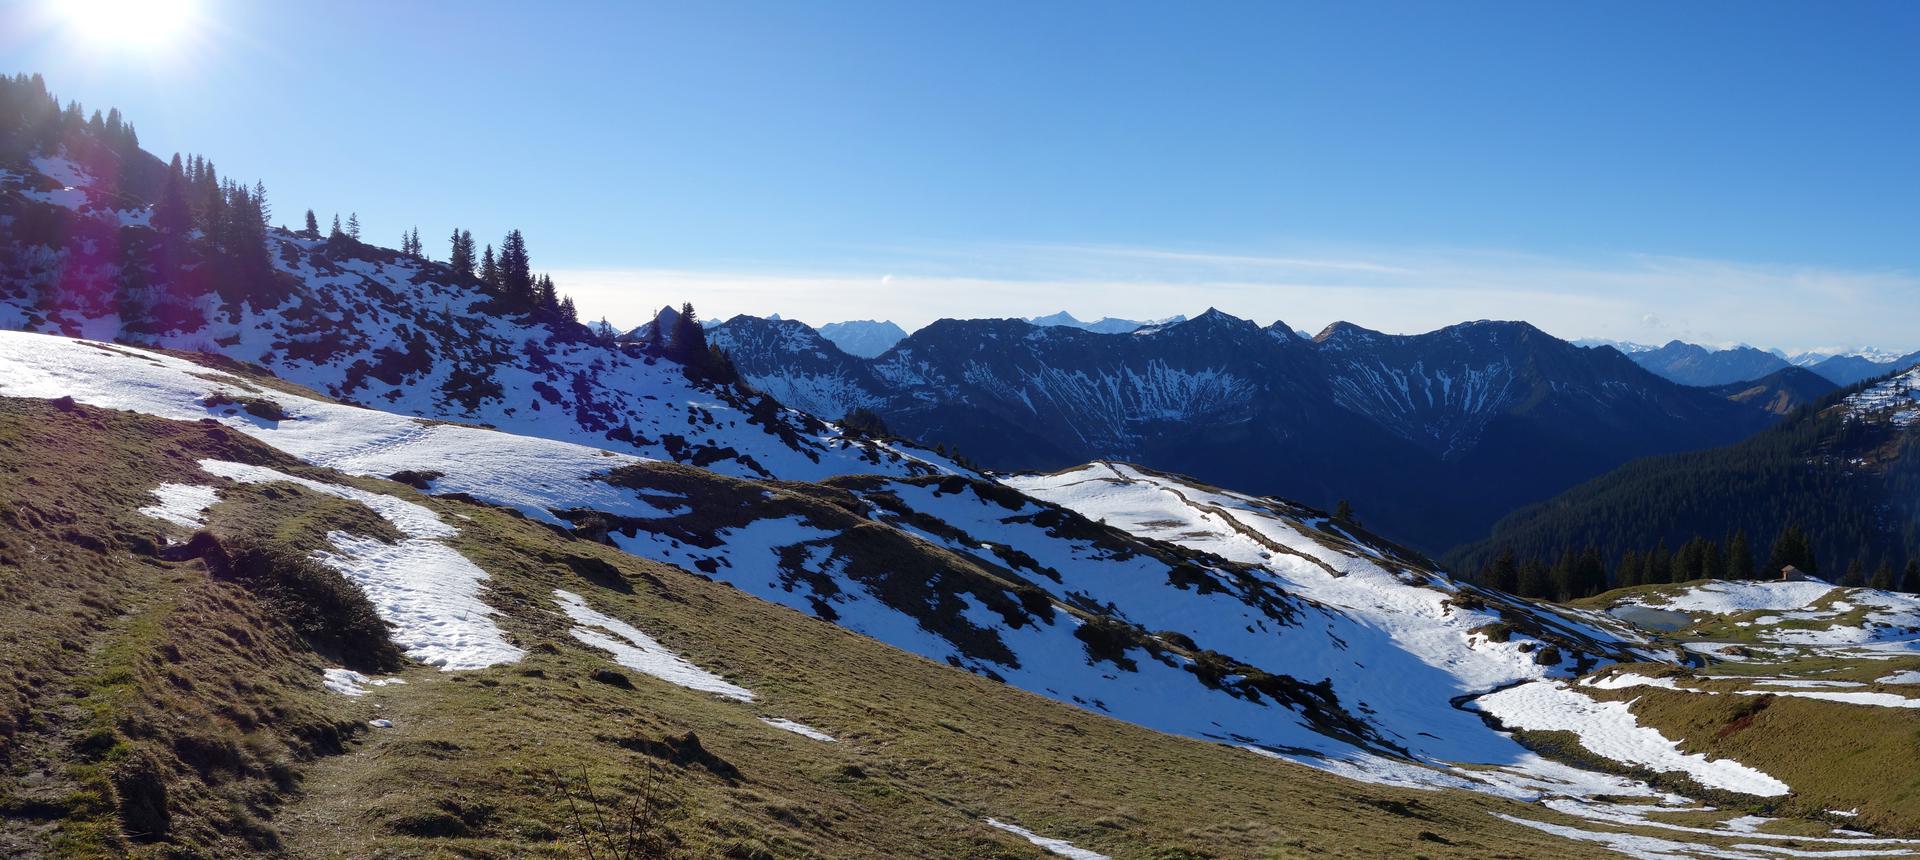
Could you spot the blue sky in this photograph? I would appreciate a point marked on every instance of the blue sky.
(1715, 171)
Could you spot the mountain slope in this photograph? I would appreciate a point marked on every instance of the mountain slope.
(1843, 470)
(1431, 436)
(371, 326)
(1779, 392)
(200, 717)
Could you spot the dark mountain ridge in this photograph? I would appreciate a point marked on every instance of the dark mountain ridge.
(1431, 436)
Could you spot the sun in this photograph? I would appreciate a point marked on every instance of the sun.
(127, 23)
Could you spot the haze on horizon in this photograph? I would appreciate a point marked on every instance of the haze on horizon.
(1714, 172)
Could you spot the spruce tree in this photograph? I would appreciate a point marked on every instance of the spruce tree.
(568, 312)
(688, 342)
(1910, 578)
(516, 272)
(1343, 511)
(353, 226)
(1504, 574)
(1590, 573)
(313, 226)
(1628, 574)
(1740, 557)
(546, 297)
(460, 255)
(1883, 577)
(1534, 579)
(490, 271)
(336, 234)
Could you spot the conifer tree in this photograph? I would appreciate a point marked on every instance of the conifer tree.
(1590, 573)
(1910, 578)
(335, 234)
(1628, 574)
(605, 330)
(171, 215)
(1791, 548)
(1740, 557)
(516, 273)
(568, 312)
(1504, 573)
(353, 226)
(460, 255)
(1343, 511)
(1883, 577)
(260, 203)
(490, 271)
(547, 298)
(313, 226)
(688, 342)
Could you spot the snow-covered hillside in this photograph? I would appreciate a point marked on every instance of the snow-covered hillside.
(1269, 627)
(406, 335)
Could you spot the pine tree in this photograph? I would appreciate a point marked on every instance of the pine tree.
(568, 312)
(1856, 575)
(1910, 578)
(313, 226)
(171, 215)
(546, 297)
(460, 255)
(688, 342)
(604, 330)
(260, 203)
(1534, 580)
(516, 273)
(1560, 578)
(353, 226)
(1883, 577)
(490, 271)
(1740, 557)
(1504, 573)
(1791, 548)
(1628, 574)
(1343, 511)
(335, 234)
(1590, 573)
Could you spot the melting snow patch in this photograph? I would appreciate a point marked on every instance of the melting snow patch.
(640, 652)
(428, 591)
(797, 728)
(1879, 700)
(1905, 677)
(181, 504)
(347, 682)
(1054, 846)
(1609, 729)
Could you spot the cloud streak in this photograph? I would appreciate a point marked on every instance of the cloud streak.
(1624, 297)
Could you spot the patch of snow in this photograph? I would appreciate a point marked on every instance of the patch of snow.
(181, 504)
(347, 682)
(640, 652)
(1609, 729)
(801, 729)
(1060, 847)
(1907, 676)
(426, 590)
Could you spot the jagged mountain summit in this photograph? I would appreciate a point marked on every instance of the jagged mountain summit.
(864, 338)
(1431, 436)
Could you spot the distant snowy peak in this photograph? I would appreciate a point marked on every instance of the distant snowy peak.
(1105, 325)
(1626, 346)
(864, 338)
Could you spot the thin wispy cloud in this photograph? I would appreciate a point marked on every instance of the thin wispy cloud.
(1635, 297)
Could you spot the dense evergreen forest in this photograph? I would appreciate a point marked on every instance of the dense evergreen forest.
(1831, 490)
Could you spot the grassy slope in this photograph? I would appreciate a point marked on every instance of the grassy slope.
(128, 676)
